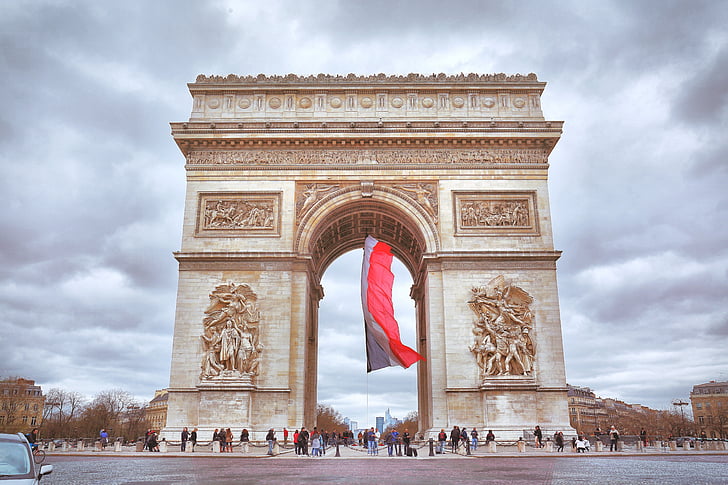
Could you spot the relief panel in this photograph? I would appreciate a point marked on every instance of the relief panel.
(495, 213)
(238, 214)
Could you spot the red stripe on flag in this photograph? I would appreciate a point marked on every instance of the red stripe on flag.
(380, 281)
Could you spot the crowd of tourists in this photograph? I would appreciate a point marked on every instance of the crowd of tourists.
(314, 443)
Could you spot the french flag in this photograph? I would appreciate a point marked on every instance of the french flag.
(384, 347)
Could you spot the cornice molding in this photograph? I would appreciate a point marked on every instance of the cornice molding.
(351, 78)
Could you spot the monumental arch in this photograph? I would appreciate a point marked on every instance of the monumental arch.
(286, 173)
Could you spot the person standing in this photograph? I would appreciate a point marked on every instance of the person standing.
(271, 439)
(285, 436)
(296, 447)
(613, 438)
(185, 437)
(193, 439)
(244, 439)
(538, 436)
(104, 437)
(406, 440)
(474, 439)
(643, 436)
(441, 440)
(303, 441)
(559, 439)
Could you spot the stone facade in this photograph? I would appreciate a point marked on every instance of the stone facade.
(286, 173)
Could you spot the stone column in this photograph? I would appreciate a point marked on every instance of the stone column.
(549, 446)
(491, 447)
(80, 446)
(163, 447)
(216, 446)
(521, 446)
(117, 446)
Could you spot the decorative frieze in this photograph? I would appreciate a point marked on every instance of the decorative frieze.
(370, 79)
(503, 344)
(495, 213)
(441, 156)
(236, 214)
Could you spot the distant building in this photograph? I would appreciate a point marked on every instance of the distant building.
(157, 410)
(353, 425)
(21, 405)
(380, 424)
(582, 409)
(710, 408)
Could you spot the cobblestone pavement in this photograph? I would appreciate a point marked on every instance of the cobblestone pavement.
(355, 467)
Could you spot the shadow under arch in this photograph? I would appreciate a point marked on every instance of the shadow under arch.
(340, 223)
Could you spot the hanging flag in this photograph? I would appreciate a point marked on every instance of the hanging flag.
(384, 348)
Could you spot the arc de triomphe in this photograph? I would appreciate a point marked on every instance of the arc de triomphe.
(286, 173)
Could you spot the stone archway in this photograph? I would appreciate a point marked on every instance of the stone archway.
(284, 174)
(341, 224)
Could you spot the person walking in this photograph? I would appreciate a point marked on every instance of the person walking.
(559, 440)
(454, 439)
(193, 439)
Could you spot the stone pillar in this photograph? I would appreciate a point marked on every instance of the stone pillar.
(491, 447)
(640, 446)
(276, 448)
(672, 445)
(521, 446)
(163, 446)
(245, 447)
(216, 446)
(188, 448)
(549, 446)
(117, 446)
(97, 446)
(65, 446)
(80, 446)
(598, 445)
(51, 446)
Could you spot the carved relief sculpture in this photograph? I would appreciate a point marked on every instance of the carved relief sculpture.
(238, 213)
(503, 344)
(230, 340)
(487, 213)
(425, 195)
(311, 194)
(496, 213)
(444, 156)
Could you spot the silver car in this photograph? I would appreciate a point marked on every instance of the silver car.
(16, 461)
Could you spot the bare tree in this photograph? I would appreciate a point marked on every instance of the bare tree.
(329, 419)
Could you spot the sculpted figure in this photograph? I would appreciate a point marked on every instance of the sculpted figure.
(503, 344)
(230, 340)
(312, 194)
(422, 194)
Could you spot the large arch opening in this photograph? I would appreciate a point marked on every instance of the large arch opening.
(342, 381)
(338, 230)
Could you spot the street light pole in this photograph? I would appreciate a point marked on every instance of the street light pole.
(680, 403)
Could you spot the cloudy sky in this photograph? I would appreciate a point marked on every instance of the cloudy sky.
(92, 184)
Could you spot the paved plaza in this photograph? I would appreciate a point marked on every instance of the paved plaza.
(355, 466)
